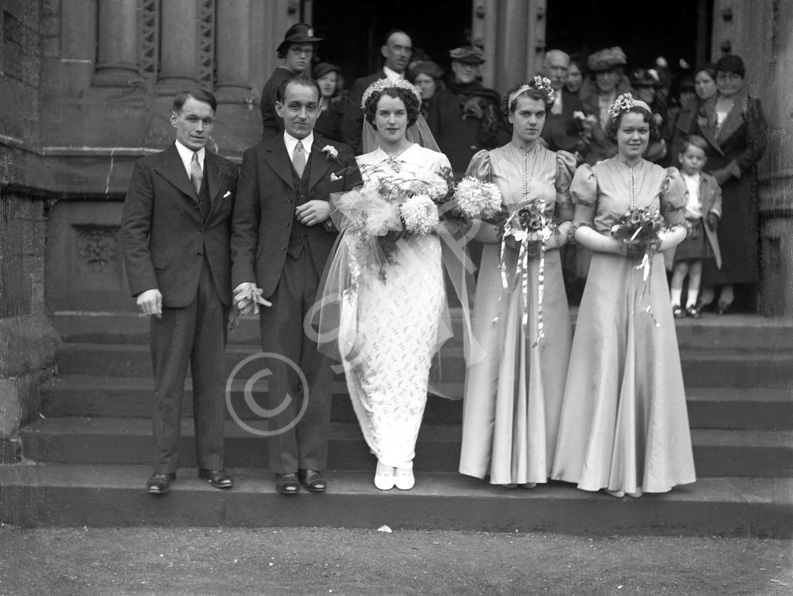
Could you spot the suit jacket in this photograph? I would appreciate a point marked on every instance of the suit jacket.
(264, 211)
(163, 233)
(352, 121)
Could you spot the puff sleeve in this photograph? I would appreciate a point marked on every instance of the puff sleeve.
(674, 196)
(481, 167)
(565, 168)
(584, 192)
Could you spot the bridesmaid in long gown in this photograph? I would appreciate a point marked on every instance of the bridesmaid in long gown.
(624, 425)
(513, 397)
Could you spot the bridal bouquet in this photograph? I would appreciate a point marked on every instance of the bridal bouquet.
(473, 198)
(389, 206)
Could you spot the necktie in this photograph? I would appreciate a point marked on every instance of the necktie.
(196, 175)
(299, 159)
(557, 104)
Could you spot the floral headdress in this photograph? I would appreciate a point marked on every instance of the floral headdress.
(625, 103)
(542, 84)
(381, 84)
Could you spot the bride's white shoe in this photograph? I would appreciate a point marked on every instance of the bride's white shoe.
(384, 477)
(404, 478)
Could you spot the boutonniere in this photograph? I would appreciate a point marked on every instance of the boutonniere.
(331, 153)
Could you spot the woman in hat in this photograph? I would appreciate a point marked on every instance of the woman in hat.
(331, 107)
(427, 77)
(466, 116)
(598, 92)
(735, 128)
(296, 50)
(624, 426)
(513, 397)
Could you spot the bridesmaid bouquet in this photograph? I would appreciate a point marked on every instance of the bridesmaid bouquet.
(639, 230)
(531, 226)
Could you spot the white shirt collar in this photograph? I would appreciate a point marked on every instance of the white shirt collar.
(187, 156)
(291, 143)
(392, 75)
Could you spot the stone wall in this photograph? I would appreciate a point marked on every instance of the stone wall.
(27, 339)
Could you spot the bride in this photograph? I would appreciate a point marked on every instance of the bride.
(390, 285)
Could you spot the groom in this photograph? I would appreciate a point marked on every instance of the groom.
(281, 239)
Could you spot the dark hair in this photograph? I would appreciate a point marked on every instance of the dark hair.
(196, 93)
(731, 63)
(614, 124)
(696, 141)
(412, 104)
(301, 80)
(532, 93)
(708, 68)
(392, 32)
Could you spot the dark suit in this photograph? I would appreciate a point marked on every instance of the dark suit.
(178, 241)
(352, 121)
(286, 259)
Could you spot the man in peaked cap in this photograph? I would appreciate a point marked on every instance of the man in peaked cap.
(296, 50)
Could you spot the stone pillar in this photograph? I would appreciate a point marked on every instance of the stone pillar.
(512, 34)
(761, 32)
(233, 50)
(179, 46)
(117, 56)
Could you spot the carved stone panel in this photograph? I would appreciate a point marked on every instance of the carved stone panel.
(84, 264)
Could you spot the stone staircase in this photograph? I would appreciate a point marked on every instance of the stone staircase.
(85, 462)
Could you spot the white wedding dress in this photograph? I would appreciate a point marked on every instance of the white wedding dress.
(394, 332)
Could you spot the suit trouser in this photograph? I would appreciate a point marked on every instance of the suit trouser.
(194, 335)
(304, 445)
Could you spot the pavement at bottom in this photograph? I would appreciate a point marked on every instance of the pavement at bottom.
(307, 561)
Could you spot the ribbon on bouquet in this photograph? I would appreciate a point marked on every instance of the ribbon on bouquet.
(522, 271)
(646, 266)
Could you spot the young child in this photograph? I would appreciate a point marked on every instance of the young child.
(702, 213)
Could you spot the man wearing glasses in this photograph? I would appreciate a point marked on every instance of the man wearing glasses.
(296, 51)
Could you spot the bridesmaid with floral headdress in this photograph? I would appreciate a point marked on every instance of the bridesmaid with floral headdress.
(624, 424)
(513, 397)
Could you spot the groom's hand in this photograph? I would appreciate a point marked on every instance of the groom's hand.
(247, 298)
(150, 303)
(313, 212)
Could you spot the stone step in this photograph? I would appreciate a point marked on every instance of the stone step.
(722, 368)
(131, 397)
(113, 496)
(759, 408)
(711, 332)
(128, 441)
